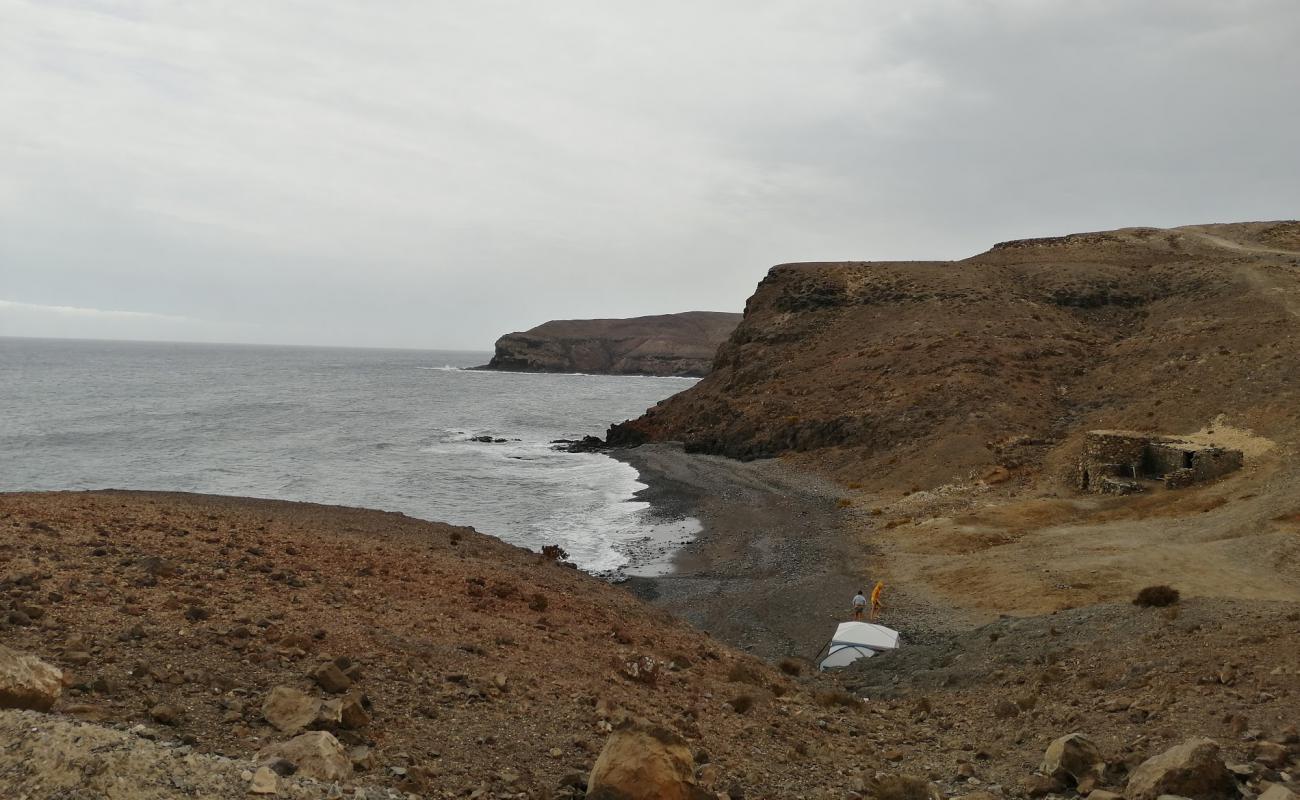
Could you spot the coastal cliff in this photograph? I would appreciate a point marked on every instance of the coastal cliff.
(668, 344)
(927, 372)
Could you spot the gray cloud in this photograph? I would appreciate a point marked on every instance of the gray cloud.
(433, 174)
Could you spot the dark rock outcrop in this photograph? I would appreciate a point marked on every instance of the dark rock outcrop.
(668, 344)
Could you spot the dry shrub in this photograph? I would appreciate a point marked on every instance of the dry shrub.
(838, 697)
(843, 502)
(741, 672)
(1156, 597)
(791, 666)
(741, 704)
(538, 602)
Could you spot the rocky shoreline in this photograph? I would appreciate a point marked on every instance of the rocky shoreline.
(772, 569)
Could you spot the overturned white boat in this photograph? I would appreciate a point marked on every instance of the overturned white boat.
(854, 640)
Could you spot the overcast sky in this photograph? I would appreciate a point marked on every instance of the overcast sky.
(434, 174)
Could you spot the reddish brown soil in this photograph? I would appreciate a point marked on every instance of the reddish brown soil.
(435, 614)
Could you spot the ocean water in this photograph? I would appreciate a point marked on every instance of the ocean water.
(387, 429)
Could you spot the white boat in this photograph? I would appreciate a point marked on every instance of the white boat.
(854, 640)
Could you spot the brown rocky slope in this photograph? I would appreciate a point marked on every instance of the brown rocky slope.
(479, 667)
(923, 373)
(668, 344)
(487, 671)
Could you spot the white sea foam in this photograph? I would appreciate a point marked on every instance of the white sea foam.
(371, 428)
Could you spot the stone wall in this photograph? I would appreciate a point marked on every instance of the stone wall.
(1213, 462)
(1117, 462)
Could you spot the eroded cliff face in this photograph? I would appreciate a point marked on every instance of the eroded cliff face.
(668, 344)
(922, 373)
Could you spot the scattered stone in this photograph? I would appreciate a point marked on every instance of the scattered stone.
(1102, 794)
(164, 714)
(290, 710)
(707, 776)
(899, 787)
(1192, 769)
(27, 682)
(1073, 758)
(157, 566)
(329, 715)
(641, 762)
(87, 712)
(1270, 754)
(316, 755)
(362, 758)
(353, 714)
(265, 781)
(1279, 792)
(330, 678)
(1041, 785)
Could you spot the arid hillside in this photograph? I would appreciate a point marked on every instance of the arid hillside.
(668, 344)
(208, 645)
(919, 374)
(951, 401)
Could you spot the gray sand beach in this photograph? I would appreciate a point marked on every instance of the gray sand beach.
(772, 571)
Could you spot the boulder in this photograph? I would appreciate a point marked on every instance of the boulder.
(331, 678)
(290, 710)
(329, 715)
(1278, 792)
(316, 755)
(353, 713)
(27, 682)
(1193, 769)
(1270, 754)
(643, 762)
(1072, 759)
(265, 781)
(1041, 785)
(164, 714)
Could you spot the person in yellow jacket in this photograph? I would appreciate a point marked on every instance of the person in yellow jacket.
(876, 605)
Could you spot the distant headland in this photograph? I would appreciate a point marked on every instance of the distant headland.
(667, 344)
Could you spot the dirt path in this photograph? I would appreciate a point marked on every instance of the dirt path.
(1240, 247)
(1258, 276)
(773, 570)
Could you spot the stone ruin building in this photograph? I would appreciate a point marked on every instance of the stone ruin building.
(1124, 462)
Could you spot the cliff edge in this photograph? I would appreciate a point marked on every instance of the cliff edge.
(667, 344)
(918, 374)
